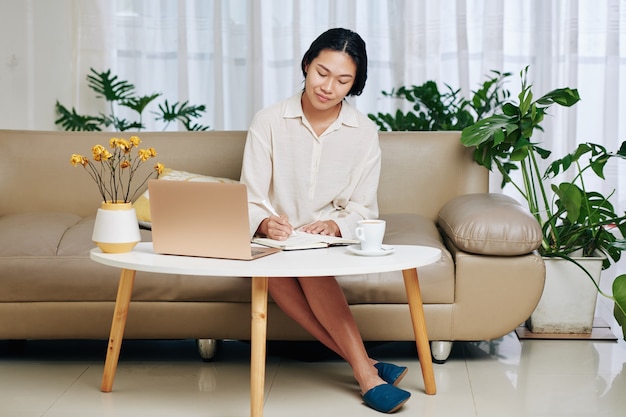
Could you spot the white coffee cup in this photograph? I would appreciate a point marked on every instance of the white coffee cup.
(370, 233)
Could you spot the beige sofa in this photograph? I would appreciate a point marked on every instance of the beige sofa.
(487, 282)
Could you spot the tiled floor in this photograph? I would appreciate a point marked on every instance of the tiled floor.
(501, 378)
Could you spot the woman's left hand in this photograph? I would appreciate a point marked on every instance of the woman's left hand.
(322, 227)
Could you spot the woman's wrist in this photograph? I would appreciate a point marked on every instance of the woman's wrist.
(261, 231)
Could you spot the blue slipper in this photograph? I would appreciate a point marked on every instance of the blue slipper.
(390, 373)
(386, 398)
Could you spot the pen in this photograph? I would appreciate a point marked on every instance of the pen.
(273, 211)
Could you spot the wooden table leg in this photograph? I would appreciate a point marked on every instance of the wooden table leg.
(414, 296)
(258, 345)
(124, 291)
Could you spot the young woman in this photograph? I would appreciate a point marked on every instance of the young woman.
(317, 160)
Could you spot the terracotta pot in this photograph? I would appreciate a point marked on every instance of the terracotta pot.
(116, 229)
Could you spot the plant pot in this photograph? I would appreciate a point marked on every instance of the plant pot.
(568, 302)
(116, 229)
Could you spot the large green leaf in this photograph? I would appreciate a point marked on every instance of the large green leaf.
(108, 86)
(571, 198)
(139, 104)
(564, 96)
(182, 112)
(619, 294)
(70, 120)
(194, 127)
(484, 130)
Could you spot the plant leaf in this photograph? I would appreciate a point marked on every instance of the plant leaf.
(139, 104)
(70, 120)
(571, 198)
(619, 294)
(108, 86)
(484, 130)
(564, 96)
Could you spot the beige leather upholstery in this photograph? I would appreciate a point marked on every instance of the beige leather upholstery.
(487, 282)
(490, 224)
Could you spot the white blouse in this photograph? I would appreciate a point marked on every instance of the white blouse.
(306, 177)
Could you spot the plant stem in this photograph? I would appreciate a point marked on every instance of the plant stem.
(548, 210)
(509, 180)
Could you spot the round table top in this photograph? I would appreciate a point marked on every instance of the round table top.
(300, 263)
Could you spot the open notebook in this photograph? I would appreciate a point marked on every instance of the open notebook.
(305, 241)
(202, 219)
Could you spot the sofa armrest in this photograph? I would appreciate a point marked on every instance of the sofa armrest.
(490, 224)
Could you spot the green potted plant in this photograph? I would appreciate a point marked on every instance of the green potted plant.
(576, 222)
(442, 110)
(121, 93)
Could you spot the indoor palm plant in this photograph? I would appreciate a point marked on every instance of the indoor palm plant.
(574, 219)
(119, 94)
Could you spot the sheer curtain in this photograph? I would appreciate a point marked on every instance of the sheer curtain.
(237, 56)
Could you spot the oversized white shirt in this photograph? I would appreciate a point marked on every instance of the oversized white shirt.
(306, 177)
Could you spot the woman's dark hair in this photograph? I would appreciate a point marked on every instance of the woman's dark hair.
(342, 40)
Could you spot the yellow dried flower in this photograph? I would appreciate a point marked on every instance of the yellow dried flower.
(144, 154)
(78, 160)
(97, 151)
(120, 143)
(134, 141)
(124, 145)
(114, 171)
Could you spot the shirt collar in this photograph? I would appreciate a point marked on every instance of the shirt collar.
(347, 116)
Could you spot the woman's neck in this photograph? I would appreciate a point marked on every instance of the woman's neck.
(320, 120)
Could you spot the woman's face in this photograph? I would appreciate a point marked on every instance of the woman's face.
(329, 78)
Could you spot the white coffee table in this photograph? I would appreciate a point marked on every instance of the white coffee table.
(316, 262)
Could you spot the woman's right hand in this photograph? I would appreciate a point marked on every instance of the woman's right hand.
(276, 227)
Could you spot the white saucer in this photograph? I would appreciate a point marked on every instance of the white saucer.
(386, 250)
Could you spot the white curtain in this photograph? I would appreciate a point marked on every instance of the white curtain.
(237, 56)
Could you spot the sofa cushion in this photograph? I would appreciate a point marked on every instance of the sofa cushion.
(490, 224)
(49, 261)
(142, 204)
(45, 257)
(36, 234)
(436, 280)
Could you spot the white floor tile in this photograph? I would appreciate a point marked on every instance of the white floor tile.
(504, 377)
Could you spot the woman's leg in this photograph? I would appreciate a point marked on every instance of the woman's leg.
(328, 304)
(319, 305)
(287, 294)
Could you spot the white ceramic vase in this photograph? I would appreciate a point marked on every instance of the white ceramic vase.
(116, 229)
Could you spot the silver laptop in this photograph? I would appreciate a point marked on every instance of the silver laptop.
(202, 219)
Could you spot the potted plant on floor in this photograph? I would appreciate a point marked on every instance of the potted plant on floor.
(577, 223)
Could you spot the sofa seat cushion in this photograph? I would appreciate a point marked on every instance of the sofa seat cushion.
(436, 280)
(37, 234)
(45, 257)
